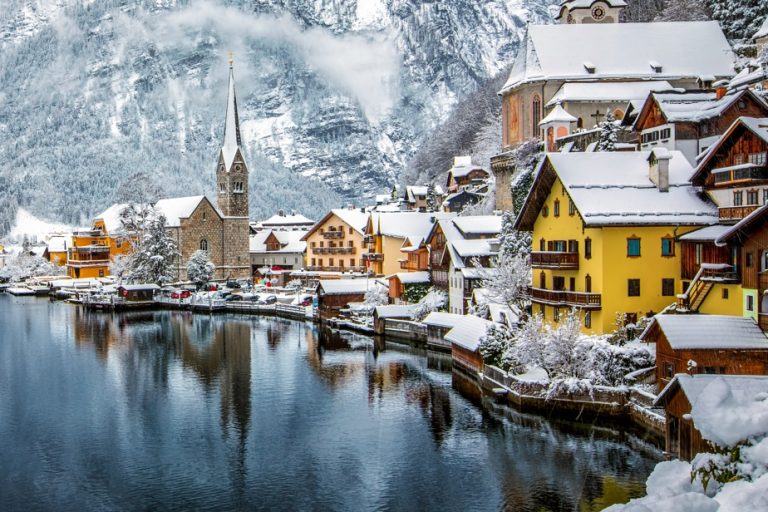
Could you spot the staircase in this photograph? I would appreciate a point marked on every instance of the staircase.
(702, 284)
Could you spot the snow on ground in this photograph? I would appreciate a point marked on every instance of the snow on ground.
(35, 228)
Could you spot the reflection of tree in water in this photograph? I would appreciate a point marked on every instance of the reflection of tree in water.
(547, 464)
(276, 329)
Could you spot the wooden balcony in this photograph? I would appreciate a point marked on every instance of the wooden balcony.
(566, 299)
(743, 173)
(555, 260)
(736, 212)
(336, 269)
(373, 256)
(333, 234)
(83, 263)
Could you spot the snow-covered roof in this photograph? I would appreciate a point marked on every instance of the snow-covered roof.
(614, 188)
(479, 224)
(695, 107)
(178, 208)
(706, 234)
(442, 319)
(346, 286)
(411, 277)
(478, 273)
(622, 51)
(558, 115)
(473, 248)
(586, 4)
(607, 91)
(139, 287)
(290, 241)
(413, 225)
(468, 331)
(396, 310)
(111, 218)
(59, 243)
(716, 332)
(763, 31)
(757, 125)
(294, 219)
(462, 165)
(726, 409)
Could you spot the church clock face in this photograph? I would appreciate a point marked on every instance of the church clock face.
(598, 13)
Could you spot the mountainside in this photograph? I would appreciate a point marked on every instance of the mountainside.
(337, 91)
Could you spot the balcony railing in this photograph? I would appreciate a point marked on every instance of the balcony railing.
(737, 173)
(737, 212)
(336, 269)
(87, 263)
(555, 260)
(334, 250)
(368, 239)
(89, 232)
(333, 234)
(566, 298)
(88, 249)
(719, 272)
(373, 256)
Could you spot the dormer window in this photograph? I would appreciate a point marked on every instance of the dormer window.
(656, 67)
(589, 67)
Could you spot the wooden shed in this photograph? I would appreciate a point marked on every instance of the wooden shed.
(465, 340)
(706, 344)
(335, 295)
(137, 292)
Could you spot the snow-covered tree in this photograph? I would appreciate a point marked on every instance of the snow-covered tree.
(432, 205)
(609, 134)
(525, 157)
(495, 349)
(684, 10)
(155, 253)
(200, 268)
(508, 282)
(24, 265)
(561, 358)
(120, 267)
(513, 242)
(140, 188)
(377, 295)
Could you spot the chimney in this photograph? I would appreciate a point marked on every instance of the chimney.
(658, 168)
(720, 92)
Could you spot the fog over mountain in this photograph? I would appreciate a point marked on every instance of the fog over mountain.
(335, 95)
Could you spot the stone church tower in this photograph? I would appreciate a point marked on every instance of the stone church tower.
(232, 192)
(590, 11)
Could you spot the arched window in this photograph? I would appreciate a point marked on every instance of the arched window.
(203, 244)
(535, 113)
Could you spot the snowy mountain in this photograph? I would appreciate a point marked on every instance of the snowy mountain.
(340, 92)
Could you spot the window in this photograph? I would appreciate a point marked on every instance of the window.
(748, 259)
(765, 196)
(588, 319)
(351, 262)
(737, 198)
(757, 158)
(633, 247)
(203, 244)
(739, 159)
(119, 243)
(545, 211)
(588, 248)
(669, 370)
(571, 208)
(312, 244)
(535, 113)
(556, 210)
(313, 262)
(725, 293)
(633, 287)
(223, 188)
(204, 216)
(573, 246)
(557, 314)
(350, 231)
(572, 284)
(351, 243)
(588, 283)
(559, 245)
(750, 303)
(698, 249)
(101, 272)
(330, 262)
(752, 197)
(667, 287)
(542, 245)
(667, 246)
(543, 281)
(558, 283)
(237, 186)
(320, 262)
(322, 243)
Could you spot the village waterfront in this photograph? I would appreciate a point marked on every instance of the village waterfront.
(169, 410)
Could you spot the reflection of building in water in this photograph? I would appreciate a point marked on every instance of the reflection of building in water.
(435, 404)
(104, 331)
(220, 353)
(334, 371)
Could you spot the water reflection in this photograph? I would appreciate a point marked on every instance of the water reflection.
(171, 411)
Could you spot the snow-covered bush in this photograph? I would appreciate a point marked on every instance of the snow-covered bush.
(508, 282)
(414, 292)
(608, 363)
(24, 266)
(376, 295)
(200, 268)
(494, 347)
(434, 300)
(119, 267)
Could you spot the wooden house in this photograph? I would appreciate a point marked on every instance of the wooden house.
(691, 121)
(335, 295)
(391, 312)
(336, 242)
(400, 282)
(56, 250)
(465, 338)
(734, 171)
(457, 201)
(707, 344)
(137, 292)
(685, 438)
(464, 174)
(439, 323)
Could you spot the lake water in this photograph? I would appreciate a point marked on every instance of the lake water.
(175, 411)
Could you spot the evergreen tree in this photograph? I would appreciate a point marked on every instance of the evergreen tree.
(432, 205)
(155, 254)
(609, 134)
(512, 241)
(740, 19)
(200, 268)
(684, 10)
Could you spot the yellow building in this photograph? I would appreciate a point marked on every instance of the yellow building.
(335, 243)
(391, 235)
(93, 250)
(605, 228)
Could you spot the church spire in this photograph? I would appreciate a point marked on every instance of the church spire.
(232, 140)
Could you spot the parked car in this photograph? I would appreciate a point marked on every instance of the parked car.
(234, 297)
(265, 299)
(233, 285)
(181, 294)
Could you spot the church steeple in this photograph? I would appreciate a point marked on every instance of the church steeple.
(232, 172)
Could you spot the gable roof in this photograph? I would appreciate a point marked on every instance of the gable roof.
(408, 225)
(757, 125)
(762, 31)
(294, 219)
(622, 51)
(614, 189)
(411, 277)
(178, 208)
(462, 166)
(478, 224)
(352, 217)
(468, 331)
(695, 106)
(345, 286)
(741, 230)
(713, 332)
(290, 241)
(111, 218)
